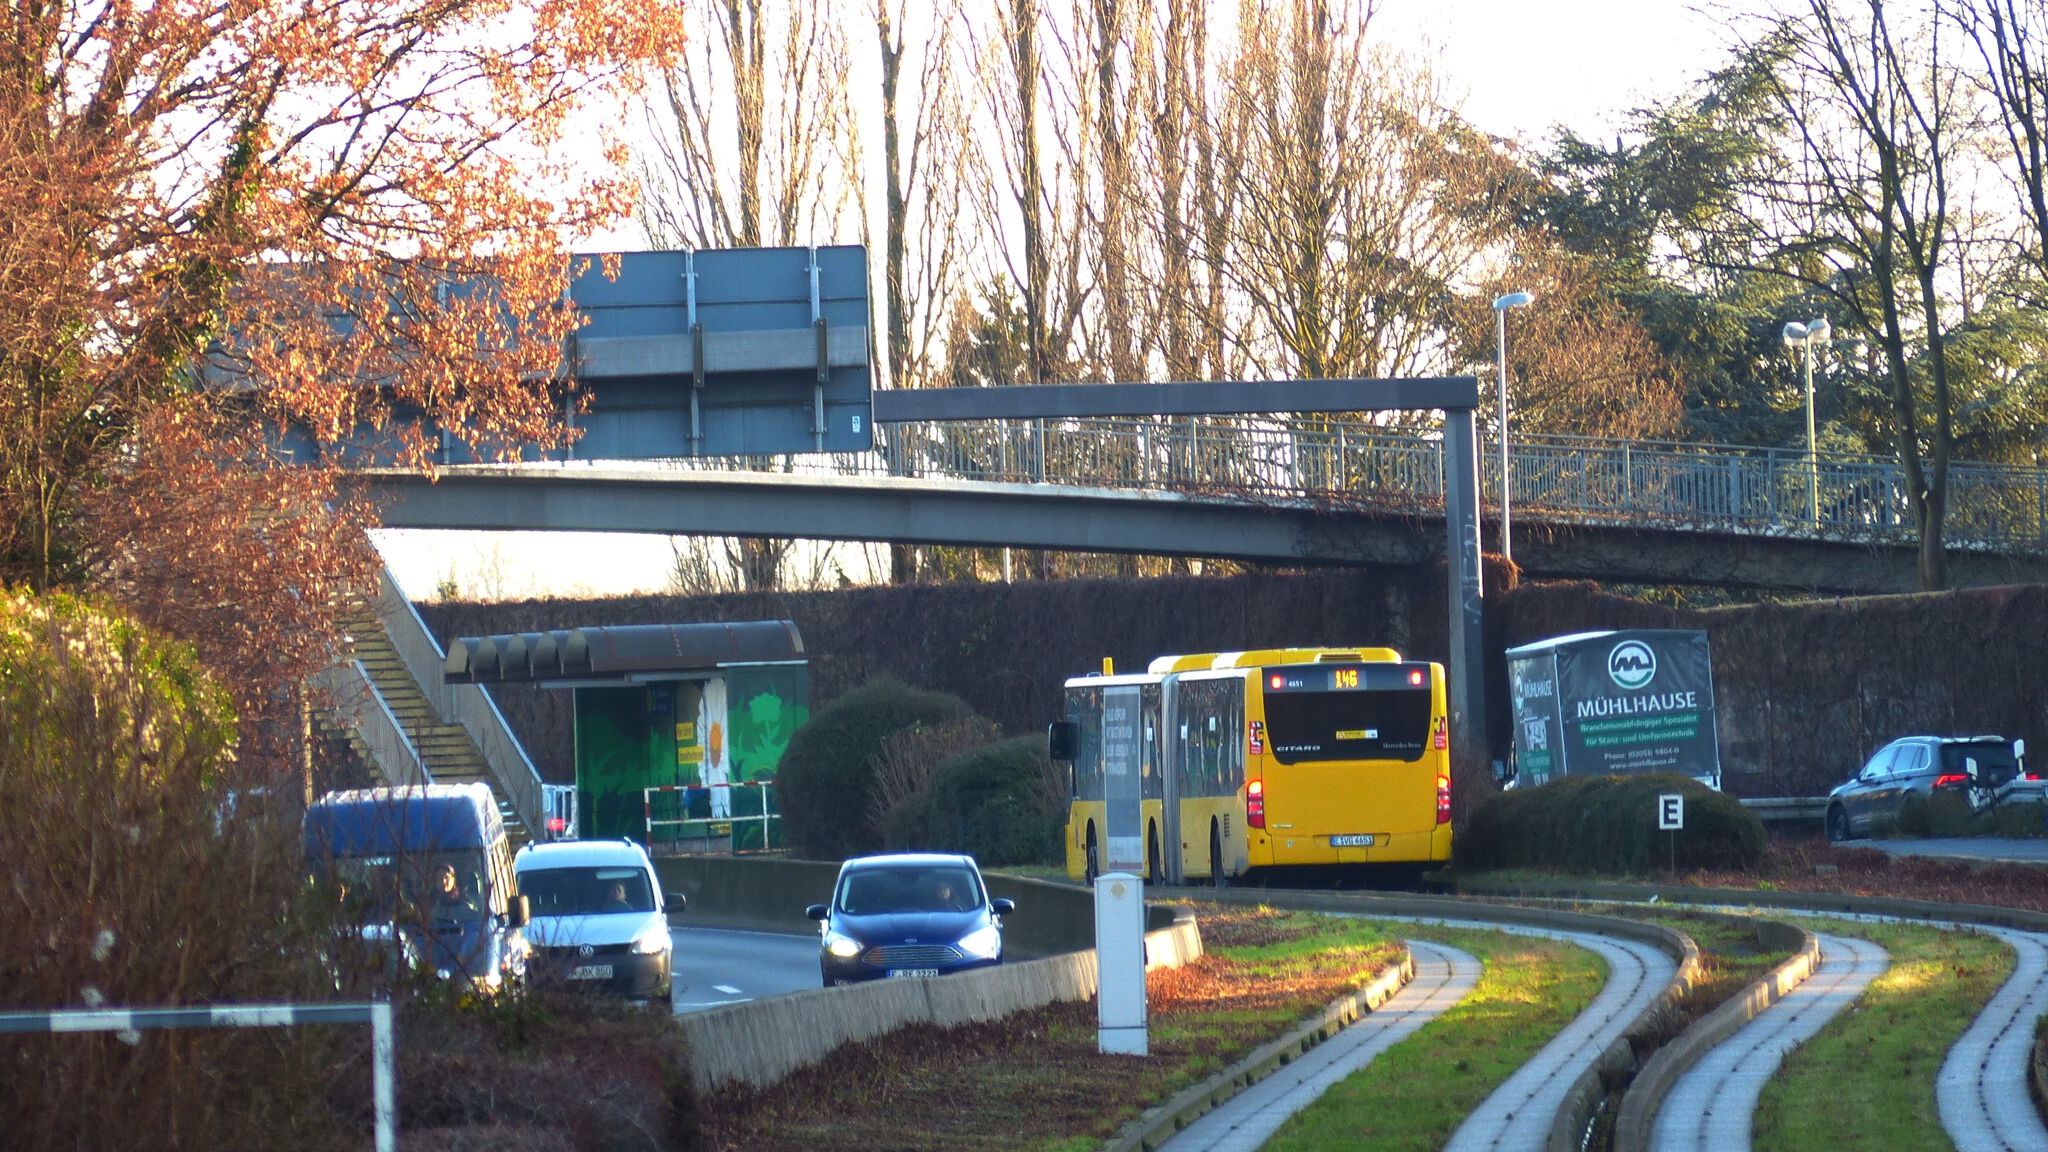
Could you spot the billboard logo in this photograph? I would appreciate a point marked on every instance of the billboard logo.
(1535, 733)
(1631, 665)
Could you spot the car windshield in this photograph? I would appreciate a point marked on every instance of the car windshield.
(412, 886)
(590, 891)
(912, 888)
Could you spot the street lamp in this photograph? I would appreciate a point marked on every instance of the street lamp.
(1805, 337)
(1500, 315)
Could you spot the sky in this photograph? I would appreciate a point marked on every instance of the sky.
(1521, 69)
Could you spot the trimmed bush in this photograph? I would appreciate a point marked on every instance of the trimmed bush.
(1001, 804)
(1609, 824)
(827, 773)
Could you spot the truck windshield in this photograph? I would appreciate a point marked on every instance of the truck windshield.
(412, 887)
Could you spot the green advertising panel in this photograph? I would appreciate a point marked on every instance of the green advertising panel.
(623, 746)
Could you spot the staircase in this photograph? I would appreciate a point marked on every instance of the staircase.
(446, 751)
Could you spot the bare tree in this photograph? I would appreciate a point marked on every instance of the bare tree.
(1861, 204)
(1359, 201)
(753, 145)
(2008, 37)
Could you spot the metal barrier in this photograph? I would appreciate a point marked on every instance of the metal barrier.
(1569, 479)
(559, 802)
(702, 819)
(375, 1013)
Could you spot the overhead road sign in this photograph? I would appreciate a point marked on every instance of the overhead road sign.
(1207, 398)
(727, 352)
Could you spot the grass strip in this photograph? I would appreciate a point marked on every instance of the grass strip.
(1034, 1081)
(1867, 1080)
(1414, 1095)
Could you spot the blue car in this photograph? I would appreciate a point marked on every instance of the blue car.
(908, 915)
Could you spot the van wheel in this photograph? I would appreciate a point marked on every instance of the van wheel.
(1092, 867)
(1216, 876)
(1838, 825)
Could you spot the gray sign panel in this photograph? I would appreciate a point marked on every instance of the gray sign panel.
(732, 352)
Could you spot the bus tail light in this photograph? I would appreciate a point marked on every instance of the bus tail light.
(1443, 799)
(1255, 804)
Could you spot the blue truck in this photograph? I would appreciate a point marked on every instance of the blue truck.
(428, 869)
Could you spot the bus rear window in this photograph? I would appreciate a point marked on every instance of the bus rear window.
(1315, 726)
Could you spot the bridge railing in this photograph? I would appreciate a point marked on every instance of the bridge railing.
(1717, 487)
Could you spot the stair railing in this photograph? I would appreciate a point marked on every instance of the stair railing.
(468, 705)
(361, 708)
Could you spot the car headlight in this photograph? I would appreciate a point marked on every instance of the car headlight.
(985, 942)
(652, 942)
(844, 947)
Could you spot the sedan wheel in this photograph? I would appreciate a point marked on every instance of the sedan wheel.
(1838, 825)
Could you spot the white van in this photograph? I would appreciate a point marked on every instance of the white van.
(599, 917)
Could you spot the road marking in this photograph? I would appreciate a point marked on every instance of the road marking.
(728, 989)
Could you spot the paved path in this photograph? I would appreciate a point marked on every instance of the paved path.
(1981, 1090)
(1710, 1108)
(1517, 1117)
(1443, 976)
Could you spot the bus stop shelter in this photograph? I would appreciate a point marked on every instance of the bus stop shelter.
(691, 719)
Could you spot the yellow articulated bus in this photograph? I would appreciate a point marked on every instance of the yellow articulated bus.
(1287, 756)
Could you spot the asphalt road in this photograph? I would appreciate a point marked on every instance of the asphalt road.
(715, 966)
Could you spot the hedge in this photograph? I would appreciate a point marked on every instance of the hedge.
(1609, 824)
(827, 774)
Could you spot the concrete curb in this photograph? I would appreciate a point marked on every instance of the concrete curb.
(1586, 1093)
(1645, 1094)
(1820, 902)
(1159, 1124)
(759, 1042)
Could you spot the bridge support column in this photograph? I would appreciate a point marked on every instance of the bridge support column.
(1466, 663)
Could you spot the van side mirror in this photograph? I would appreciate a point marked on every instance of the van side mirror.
(1062, 739)
(518, 912)
(675, 902)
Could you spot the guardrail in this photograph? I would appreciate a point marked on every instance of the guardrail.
(468, 705)
(703, 818)
(1717, 487)
(1770, 808)
(356, 701)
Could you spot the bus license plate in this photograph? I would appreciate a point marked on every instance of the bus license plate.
(1351, 841)
(911, 973)
(591, 972)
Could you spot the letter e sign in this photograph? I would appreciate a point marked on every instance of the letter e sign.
(1670, 812)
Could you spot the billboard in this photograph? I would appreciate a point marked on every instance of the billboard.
(1607, 703)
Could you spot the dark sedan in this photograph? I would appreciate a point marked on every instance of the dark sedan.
(1973, 768)
(908, 915)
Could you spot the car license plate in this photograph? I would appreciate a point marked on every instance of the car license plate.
(902, 973)
(1351, 841)
(591, 972)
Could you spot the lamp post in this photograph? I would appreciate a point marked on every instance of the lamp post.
(1500, 315)
(1804, 337)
